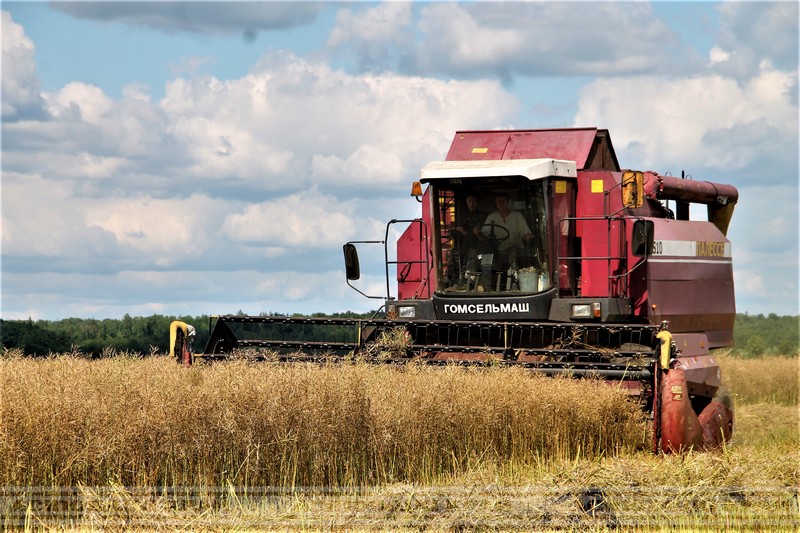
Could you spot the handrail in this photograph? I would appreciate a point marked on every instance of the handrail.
(609, 257)
(425, 279)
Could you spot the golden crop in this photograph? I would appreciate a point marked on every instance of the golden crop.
(147, 421)
(130, 443)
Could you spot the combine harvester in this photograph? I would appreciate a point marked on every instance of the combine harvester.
(534, 249)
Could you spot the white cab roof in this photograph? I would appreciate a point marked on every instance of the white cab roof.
(529, 168)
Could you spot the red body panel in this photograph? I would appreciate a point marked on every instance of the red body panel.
(412, 279)
(702, 373)
(563, 208)
(690, 280)
(717, 423)
(681, 427)
(602, 246)
(567, 144)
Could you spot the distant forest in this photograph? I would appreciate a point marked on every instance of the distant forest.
(754, 334)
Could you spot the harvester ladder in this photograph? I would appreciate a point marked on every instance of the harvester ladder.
(617, 282)
(425, 251)
(615, 288)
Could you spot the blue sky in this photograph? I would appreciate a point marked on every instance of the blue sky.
(192, 158)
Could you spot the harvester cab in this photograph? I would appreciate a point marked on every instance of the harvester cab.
(535, 249)
(543, 225)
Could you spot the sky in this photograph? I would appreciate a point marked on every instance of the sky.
(188, 158)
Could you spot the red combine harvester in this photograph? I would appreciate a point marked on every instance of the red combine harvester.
(535, 249)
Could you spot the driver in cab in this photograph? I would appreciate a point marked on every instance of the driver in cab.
(513, 230)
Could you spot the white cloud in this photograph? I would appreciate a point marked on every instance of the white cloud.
(86, 101)
(718, 55)
(766, 282)
(361, 167)
(468, 39)
(221, 149)
(20, 86)
(89, 135)
(696, 122)
(375, 36)
(290, 116)
(307, 219)
(47, 219)
(543, 38)
(287, 124)
(161, 233)
(753, 31)
(478, 39)
(28, 229)
(766, 219)
(112, 180)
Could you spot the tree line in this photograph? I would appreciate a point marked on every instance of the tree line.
(754, 334)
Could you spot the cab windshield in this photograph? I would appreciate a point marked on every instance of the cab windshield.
(493, 237)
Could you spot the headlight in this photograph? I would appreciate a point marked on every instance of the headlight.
(581, 311)
(586, 310)
(407, 311)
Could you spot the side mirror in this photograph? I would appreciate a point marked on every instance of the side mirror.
(351, 266)
(632, 189)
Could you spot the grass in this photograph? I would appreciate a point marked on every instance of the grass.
(769, 379)
(142, 443)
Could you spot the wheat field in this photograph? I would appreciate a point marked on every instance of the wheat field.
(149, 422)
(141, 443)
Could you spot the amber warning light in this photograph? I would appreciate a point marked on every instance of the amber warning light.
(416, 190)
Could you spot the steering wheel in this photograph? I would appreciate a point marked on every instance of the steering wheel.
(492, 236)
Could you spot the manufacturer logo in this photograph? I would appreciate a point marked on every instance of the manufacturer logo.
(486, 309)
